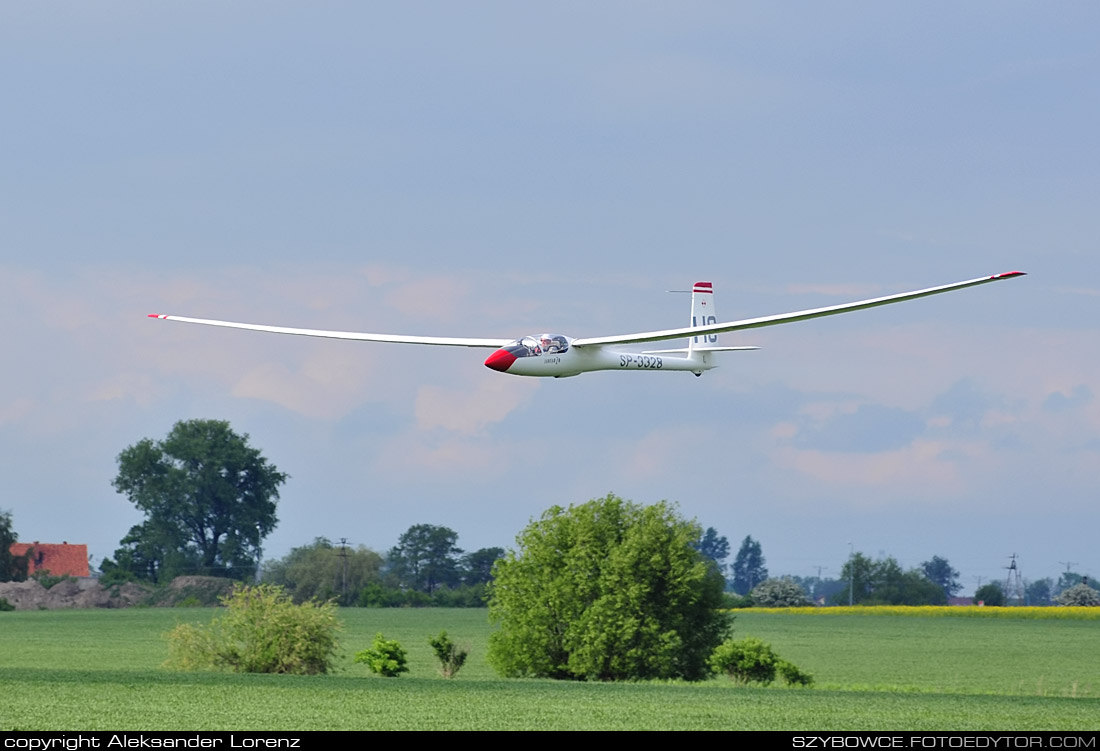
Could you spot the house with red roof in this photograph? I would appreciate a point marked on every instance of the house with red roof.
(58, 560)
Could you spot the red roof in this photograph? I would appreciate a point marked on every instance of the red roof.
(59, 560)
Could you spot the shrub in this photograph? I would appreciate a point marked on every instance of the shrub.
(385, 657)
(262, 632)
(48, 580)
(792, 675)
(5, 606)
(608, 590)
(451, 657)
(779, 593)
(749, 660)
(752, 660)
(1079, 595)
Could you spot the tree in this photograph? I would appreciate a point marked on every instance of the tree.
(820, 590)
(779, 593)
(938, 570)
(883, 582)
(607, 590)
(425, 558)
(323, 571)
(748, 567)
(1079, 595)
(714, 547)
(1038, 592)
(209, 500)
(990, 594)
(857, 577)
(13, 568)
(477, 567)
(1072, 579)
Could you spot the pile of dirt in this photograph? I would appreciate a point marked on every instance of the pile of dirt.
(72, 593)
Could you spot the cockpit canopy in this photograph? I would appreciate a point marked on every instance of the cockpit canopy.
(535, 346)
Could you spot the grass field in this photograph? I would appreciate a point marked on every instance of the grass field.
(101, 669)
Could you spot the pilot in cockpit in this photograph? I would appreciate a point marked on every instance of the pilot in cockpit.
(549, 344)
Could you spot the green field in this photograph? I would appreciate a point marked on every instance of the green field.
(101, 669)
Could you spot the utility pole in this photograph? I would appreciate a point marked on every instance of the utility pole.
(344, 554)
(1013, 585)
(851, 574)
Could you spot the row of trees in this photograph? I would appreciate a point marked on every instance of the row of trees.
(426, 567)
(209, 500)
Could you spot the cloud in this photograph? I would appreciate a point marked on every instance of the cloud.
(468, 411)
(853, 291)
(326, 385)
(925, 467)
(871, 428)
(1057, 401)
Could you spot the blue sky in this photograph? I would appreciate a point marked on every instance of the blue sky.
(496, 169)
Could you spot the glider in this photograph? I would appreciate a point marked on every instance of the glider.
(554, 355)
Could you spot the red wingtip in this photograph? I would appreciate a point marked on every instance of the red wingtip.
(156, 315)
(1007, 274)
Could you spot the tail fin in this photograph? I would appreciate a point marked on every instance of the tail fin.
(702, 313)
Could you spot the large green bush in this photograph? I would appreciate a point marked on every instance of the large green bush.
(608, 590)
(262, 632)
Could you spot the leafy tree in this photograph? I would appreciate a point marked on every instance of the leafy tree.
(477, 567)
(209, 500)
(892, 586)
(883, 582)
(261, 632)
(1079, 595)
(323, 571)
(748, 567)
(148, 553)
(714, 547)
(607, 590)
(857, 575)
(938, 570)
(12, 567)
(779, 593)
(992, 594)
(1038, 592)
(425, 558)
(1072, 579)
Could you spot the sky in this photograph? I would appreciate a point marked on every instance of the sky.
(496, 169)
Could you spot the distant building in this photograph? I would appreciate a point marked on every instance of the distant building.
(59, 560)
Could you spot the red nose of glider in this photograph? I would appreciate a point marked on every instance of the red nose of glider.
(500, 360)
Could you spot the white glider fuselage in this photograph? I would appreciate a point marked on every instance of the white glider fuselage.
(557, 356)
(574, 361)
